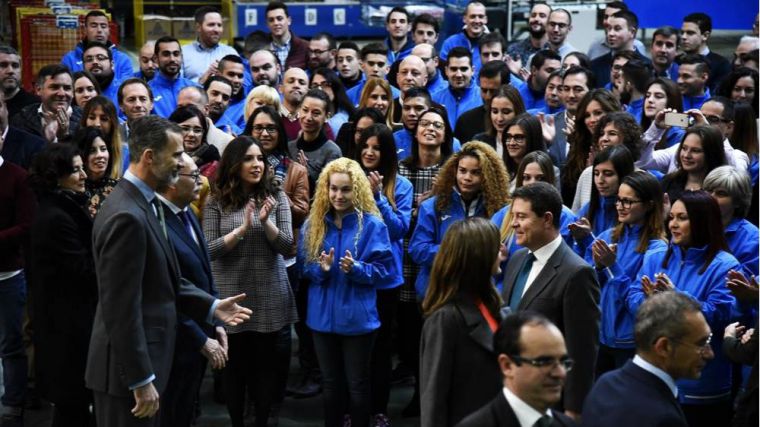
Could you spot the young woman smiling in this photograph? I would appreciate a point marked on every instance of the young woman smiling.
(98, 164)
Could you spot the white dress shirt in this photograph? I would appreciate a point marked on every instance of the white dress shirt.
(526, 414)
(542, 257)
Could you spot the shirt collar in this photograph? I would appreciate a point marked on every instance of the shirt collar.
(174, 208)
(146, 191)
(289, 37)
(1, 161)
(545, 252)
(200, 48)
(526, 415)
(41, 110)
(705, 51)
(659, 373)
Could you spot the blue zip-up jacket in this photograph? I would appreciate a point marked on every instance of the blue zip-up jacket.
(234, 116)
(355, 93)
(636, 109)
(437, 83)
(547, 110)
(604, 219)
(112, 92)
(405, 51)
(461, 39)
(530, 98)
(709, 288)
(690, 102)
(122, 65)
(616, 329)
(346, 303)
(397, 221)
(403, 139)
(566, 218)
(456, 105)
(429, 231)
(742, 238)
(674, 136)
(165, 93)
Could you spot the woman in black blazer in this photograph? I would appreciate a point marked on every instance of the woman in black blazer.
(459, 372)
(63, 284)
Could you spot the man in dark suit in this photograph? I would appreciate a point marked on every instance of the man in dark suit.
(621, 35)
(534, 361)
(576, 83)
(17, 146)
(548, 277)
(196, 342)
(140, 288)
(695, 33)
(643, 392)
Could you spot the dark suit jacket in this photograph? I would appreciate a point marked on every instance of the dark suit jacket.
(567, 292)
(194, 265)
(458, 369)
(558, 149)
(20, 147)
(28, 120)
(470, 123)
(720, 67)
(602, 66)
(140, 291)
(498, 413)
(632, 397)
(298, 56)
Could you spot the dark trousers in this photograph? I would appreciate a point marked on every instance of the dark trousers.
(711, 415)
(251, 366)
(178, 401)
(387, 302)
(12, 353)
(409, 336)
(345, 362)
(307, 357)
(283, 349)
(610, 358)
(69, 415)
(116, 411)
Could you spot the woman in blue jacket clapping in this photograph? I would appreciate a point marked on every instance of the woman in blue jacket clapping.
(695, 263)
(393, 195)
(346, 255)
(473, 182)
(617, 255)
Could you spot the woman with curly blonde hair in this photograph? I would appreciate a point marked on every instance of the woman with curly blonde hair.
(378, 94)
(472, 182)
(346, 255)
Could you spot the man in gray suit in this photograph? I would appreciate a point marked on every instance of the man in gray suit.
(548, 277)
(139, 285)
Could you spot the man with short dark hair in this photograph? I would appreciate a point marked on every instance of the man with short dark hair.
(577, 81)
(202, 56)
(559, 26)
(543, 63)
(533, 360)
(231, 68)
(425, 29)
(462, 94)
(398, 42)
(98, 60)
(621, 33)
(523, 49)
(97, 29)
(167, 83)
(292, 51)
(472, 122)
(552, 100)
(695, 33)
(147, 61)
(429, 56)
(265, 68)
(600, 46)
(53, 118)
(416, 101)
(475, 21)
(548, 277)
(672, 342)
(664, 50)
(636, 75)
(374, 64)
(16, 97)
(17, 146)
(322, 51)
(219, 91)
(693, 78)
(349, 66)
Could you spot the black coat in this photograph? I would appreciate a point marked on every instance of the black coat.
(28, 120)
(64, 294)
(498, 413)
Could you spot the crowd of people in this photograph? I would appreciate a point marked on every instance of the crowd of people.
(537, 236)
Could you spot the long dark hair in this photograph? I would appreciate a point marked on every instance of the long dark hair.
(629, 130)
(649, 191)
(447, 148)
(228, 189)
(113, 137)
(705, 224)
(83, 139)
(727, 87)
(622, 161)
(675, 101)
(534, 139)
(543, 160)
(712, 145)
(744, 136)
(513, 95)
(89, 76)
(388, 167)
(282, 138)
(341, 101)
(346, 139)
(49, 165)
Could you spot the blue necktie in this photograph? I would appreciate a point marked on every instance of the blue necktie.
(184, 216)
(522, 279)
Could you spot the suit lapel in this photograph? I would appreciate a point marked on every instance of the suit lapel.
(510, 274)
(480, 332)
(179, 229)
(544, 278)
(505, 415)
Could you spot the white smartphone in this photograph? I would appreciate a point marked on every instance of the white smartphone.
(680, 120)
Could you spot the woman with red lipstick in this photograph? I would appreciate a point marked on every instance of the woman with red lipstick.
(248, 227)
(393, 195)
(699, 153)
(695, 263)
(98, 163)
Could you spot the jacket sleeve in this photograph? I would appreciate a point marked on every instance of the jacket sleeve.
(212, 216)
(284, 240)
(581, 320)
(424, 242)
(717, 305)
(123, 65)
(397, 220)
(375, 265)
(309, 269)
(436, 364)
(298, 193)
(654, 159)
(57, 237)
(189, 331)
(745, 354)
(24, 213)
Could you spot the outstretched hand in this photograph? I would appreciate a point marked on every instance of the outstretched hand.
(230, 312)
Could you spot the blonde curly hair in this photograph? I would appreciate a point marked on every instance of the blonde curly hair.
(495, 183)
(364, 202)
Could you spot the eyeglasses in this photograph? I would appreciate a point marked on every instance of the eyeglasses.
(714, 120)
(425, 60)
(98, 58)
(195, 130)
(269, 129)
(320, 85)
(626, 203)
(196, 176)
(701, 348)
(427, 123)
(544, 362)
(517, 138)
